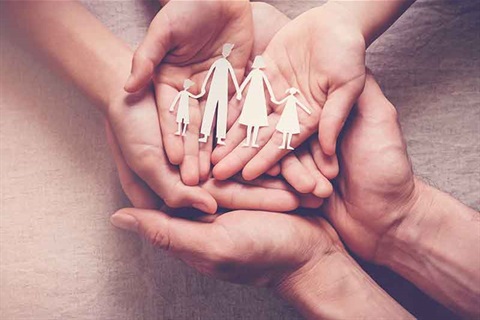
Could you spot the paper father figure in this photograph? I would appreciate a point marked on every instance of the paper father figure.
(218, 96)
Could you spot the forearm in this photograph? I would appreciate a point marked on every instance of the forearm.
(75, 42)
(437, 247)
(372, 17)
(337, 288)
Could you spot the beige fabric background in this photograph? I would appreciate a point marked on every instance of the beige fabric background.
(61, 259)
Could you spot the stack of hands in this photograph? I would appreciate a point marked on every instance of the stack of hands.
(350, 162)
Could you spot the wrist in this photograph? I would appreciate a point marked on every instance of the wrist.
(372, 18)
(335, 287)
(435, 247)
(118, 68)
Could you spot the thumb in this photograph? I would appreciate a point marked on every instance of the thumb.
(168, 233)
(150, 53)
(335, 112)
(372, 103)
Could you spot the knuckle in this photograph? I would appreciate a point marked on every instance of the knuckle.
(158, 239)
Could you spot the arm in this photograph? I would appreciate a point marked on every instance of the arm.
(209, 74)
(234, 78)
(98, 62)
(338, 288)
(279, 102)
(244, 84)
(269, 88)
(437, 247)
(75, 42)
(172, 106)
(372, 17)
(198, 96)
(304, 107)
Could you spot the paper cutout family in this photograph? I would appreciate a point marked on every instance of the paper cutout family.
(254, 111)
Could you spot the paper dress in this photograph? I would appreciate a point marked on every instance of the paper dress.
(254, 111)
(217, 100)
(288, 123)
(183, 112)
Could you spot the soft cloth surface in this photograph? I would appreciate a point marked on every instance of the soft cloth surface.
(61, 259)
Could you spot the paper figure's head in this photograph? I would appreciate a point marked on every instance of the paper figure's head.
(188, 84)
(292, 91)
(227, 49)
(258, 63)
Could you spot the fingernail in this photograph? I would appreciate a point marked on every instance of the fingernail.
(200, 206)
(124, 221)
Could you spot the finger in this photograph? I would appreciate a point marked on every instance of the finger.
(190, 166)
(205, 153)
(275, 170)
(335, 113)
(151, 51)
(234, 195)
(139, 136)
(234, 161)
(372, 103)
(174, 145)
(296, 174)
(135, 188)
(176, 235)
(270, 154)
(323, 188)
(235, 135)
(328, 165)
(310, 201)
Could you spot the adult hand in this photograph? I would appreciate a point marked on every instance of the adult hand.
(321, 53)
(300, 257)
(375, 187)
(182, 42)
(249, 247)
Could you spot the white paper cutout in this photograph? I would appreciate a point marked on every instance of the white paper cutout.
(254, 111)
(218, 96)
(183, 112)
(288, 123)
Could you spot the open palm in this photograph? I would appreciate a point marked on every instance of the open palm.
(324, 58)
(183, 41)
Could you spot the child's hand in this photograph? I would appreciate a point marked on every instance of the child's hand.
(147, 177)
(309, 170)
(183, 41)
(321, 53)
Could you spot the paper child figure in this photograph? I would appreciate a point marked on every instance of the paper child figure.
(183, 98)
(254, 112)
(218, 96)
(288, 123)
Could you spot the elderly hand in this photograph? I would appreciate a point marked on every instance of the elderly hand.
(376, 186)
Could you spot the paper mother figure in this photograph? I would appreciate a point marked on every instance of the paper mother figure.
(218, 96)
(254, 112)
(183, 112)
(288, 123)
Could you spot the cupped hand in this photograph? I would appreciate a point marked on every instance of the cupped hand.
(322, 54)
(249, 247)
(147, 176)
(375, 187)
(182, 42)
